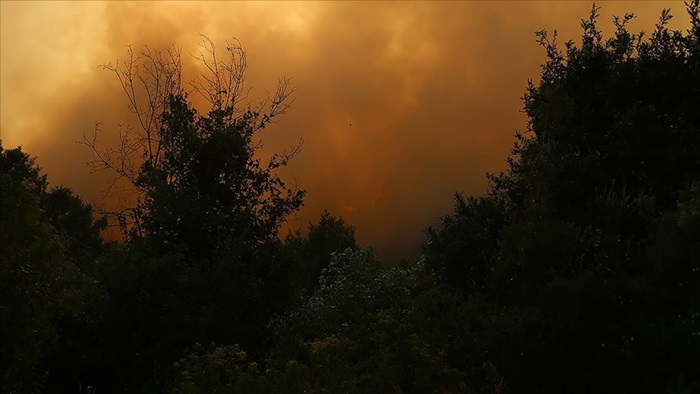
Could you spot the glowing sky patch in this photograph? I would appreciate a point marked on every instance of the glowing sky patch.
(432, 90)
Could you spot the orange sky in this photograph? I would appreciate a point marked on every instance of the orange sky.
(432, 90)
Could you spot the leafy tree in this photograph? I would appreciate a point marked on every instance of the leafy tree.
(367, 329)
(29, 256)
(19, 167)
(312, 252)
(577, 260)
(177, 156)
(46, 302)
(462, 251)
(66, 212)
(208, 188)
(218, 369)
(202, 260)
(74, 220)
(621, 109)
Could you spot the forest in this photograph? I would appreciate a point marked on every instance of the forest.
(577, 272)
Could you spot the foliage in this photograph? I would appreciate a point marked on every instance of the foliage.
(578, 271)
(44, 294)
(219, 369)
(208, 188)
(367, 329)
(577, 259)
(201, 260)
(312, 253)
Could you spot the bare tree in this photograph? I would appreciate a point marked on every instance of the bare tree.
(149, 78)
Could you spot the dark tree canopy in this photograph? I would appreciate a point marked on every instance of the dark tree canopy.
(579, 271)
(47, 302)
(202, 260)
(620, 110)
(208, 187)
(312, 252)
(586, 275)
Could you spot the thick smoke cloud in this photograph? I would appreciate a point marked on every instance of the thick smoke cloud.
(400, 104)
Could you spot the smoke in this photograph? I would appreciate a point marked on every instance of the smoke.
(399, 104)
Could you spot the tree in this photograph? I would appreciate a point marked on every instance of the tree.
(178, 155)
(312, 253)
(622, 109)
(367, 328)
(74, 221)
(577, 260)
(219, 369)
(202, 238)
(28, 258)
(47, 303)
(462, 251)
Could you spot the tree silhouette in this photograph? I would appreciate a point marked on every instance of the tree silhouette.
(577, 272)
(169, 128)
(578, 257)
(202, 243)
(312, 253)
(47, 301)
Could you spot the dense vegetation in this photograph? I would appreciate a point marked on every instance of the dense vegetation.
(579, 271)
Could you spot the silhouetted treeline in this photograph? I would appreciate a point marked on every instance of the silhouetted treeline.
(579, 271)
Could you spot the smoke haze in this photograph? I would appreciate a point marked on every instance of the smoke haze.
(400, 104)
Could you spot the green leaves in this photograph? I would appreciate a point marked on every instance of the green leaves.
(217, 369)
(368, 329)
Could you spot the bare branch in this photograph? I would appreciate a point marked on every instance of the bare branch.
(222, 84)
(148, 79)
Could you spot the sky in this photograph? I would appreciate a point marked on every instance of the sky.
(399, 104)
